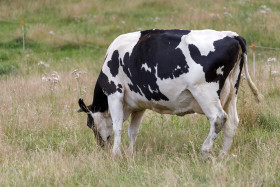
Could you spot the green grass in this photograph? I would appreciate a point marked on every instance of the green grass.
(45, 142)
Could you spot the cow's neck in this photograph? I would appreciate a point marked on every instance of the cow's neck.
(100, 100)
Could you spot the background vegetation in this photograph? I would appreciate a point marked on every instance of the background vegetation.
(45, 142)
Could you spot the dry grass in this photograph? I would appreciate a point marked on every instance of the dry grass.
(45, 142)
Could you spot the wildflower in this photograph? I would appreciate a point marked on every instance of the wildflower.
(45, 79)
(274, 73)
(41, 63)
(272, 59)
(54, 78)
(264, 9)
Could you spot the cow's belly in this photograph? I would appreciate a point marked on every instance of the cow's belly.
(180, 102)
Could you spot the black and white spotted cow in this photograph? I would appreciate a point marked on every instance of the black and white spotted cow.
(170, 72)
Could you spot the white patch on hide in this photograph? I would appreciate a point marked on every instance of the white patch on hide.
(219, 71)
(145, 66)
(129, 72)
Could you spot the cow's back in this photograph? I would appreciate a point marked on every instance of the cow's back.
(159, 67)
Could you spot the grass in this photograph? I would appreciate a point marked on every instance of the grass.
(45, 142)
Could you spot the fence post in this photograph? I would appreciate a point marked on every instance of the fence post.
(253, 47)
(22, 24)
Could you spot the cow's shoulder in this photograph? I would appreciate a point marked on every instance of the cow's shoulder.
(123, 43)
(162, 35)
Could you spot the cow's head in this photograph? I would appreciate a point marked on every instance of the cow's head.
(99, 122)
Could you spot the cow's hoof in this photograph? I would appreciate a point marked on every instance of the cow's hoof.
(206, 155)
(222, 155)
(117, 154)
(130, 152)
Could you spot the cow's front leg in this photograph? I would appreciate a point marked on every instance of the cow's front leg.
(115, 102)
(133, 129)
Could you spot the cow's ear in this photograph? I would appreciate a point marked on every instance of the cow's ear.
(83, 107)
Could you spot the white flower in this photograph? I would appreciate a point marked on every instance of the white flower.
(213, 15)
(272, 59)
(41, 63)
(274, 73)
(74, 71)
(55, 77)
(264, 9)
(44, 79)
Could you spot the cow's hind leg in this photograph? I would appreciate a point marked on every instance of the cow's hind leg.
(210, 104)
(230, 125)
(217, 122)
(133, 129)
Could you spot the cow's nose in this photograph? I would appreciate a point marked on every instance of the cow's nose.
(108, 138)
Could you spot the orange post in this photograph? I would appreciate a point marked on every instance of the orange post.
(22, 25)
(253, 47)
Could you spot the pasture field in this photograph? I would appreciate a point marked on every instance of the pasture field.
(45, 142)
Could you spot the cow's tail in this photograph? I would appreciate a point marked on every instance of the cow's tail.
(255, 91)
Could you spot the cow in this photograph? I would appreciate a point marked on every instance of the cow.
(170, 72)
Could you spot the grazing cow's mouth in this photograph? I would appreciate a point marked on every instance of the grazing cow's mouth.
(99, 139)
